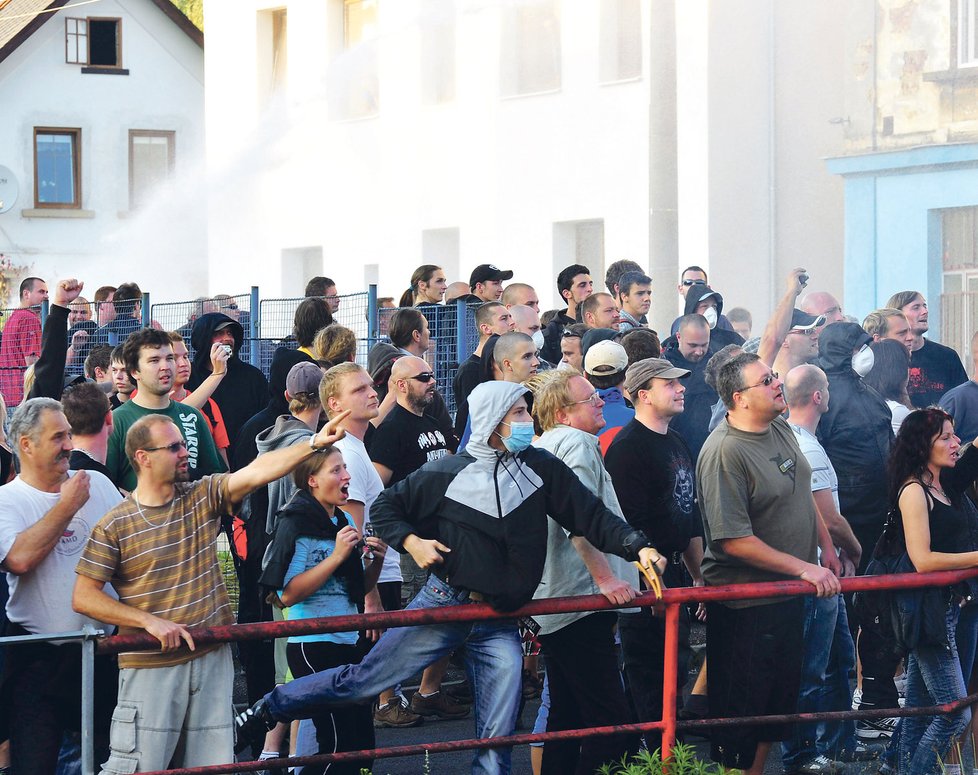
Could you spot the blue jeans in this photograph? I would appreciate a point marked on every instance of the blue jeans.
(933, 677)
(493, 660)
(829, 657)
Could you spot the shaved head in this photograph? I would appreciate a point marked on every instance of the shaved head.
(525, 318)
(801, 382)
(408, 366)
(822, 303)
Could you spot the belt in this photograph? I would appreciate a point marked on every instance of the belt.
(478, 597)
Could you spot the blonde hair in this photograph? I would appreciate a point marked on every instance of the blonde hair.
(28, 380)
(330, 386)
(335, 344)
(551, 393)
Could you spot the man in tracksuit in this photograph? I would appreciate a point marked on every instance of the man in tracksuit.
(478, 521)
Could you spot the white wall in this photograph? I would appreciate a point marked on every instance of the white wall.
(502, 171)
(163, 91)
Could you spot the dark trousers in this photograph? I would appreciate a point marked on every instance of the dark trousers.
(42, 690)
(349, 728)
(585, 691)
(877, 656)
(643, 643)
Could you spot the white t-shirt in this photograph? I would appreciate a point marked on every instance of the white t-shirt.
(898, 413)
(40, 601)
(823, 474)
(365, 486)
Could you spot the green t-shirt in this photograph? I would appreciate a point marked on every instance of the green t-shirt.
(203, 459)
(754, 484)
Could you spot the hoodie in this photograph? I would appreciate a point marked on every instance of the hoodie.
(720, 335)
(490, 508)
(287, 431)
(244, 391)
(855, 431)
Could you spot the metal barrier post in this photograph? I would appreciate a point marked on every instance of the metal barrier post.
(670, 669)
(255, 318)
(461, 354)
(145, 311)
(45, 308)
(373, 321)
(88, 701)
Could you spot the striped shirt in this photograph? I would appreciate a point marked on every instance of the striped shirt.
(163, 560)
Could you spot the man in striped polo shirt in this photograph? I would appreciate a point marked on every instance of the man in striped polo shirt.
(158, 550)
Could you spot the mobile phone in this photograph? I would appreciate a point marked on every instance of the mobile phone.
(368, 531)
(227, 349)
(803, 279)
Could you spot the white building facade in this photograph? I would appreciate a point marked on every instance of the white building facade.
(102, 128)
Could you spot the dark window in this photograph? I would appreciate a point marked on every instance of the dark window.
(57, 168)
(103, 43)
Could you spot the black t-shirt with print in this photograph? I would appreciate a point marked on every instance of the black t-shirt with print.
(934, 370)
(404, 442)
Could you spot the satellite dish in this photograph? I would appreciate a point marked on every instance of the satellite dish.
(8, 189)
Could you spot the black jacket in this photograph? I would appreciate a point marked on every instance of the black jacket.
(244, 391)
(856, 431)
(693, 424)
(490, 508)
(720, 336)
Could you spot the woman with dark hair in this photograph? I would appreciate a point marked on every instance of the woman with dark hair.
(315, 568)
(928, 478)
(428, 286)
(888, 377)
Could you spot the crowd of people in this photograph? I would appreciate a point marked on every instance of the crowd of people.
(582, 445)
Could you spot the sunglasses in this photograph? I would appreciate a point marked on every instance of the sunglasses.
(766, 382)
(231, 306)
(425, 376)
(175, 447)
(688, 283)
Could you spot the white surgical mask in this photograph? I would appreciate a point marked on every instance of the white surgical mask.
(538, 339)
(862, 361)
(710, 313)
(565, 366)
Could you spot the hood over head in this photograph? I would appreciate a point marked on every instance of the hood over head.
(203, 332)
(836, 344)
(699, 293)
(488, 404)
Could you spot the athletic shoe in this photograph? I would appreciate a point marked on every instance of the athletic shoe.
(875, 728)
(861, 752)
(857, 698)
(251, 725)
(901, 685)
(820, 765)
(394, 714)
(438, 705)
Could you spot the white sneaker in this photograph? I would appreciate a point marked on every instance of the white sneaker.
(857, 698)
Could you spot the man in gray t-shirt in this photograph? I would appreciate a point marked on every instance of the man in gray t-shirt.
(760, 524)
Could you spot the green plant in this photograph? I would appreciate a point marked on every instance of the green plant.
(683, 762)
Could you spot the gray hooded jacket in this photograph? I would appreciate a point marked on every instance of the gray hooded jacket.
(490, 508)
(287, 431)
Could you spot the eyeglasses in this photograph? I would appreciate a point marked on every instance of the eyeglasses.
(688, 283)
(425, 376)
(804, 331)
(230, 306)
(594, 400)
(766, 382)
(175, 447)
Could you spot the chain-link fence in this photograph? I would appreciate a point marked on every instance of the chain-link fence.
(268, 324)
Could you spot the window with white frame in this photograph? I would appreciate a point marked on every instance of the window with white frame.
(151, 161)
(530, 51)
(94, 42)
(959, 264)
(967, 33)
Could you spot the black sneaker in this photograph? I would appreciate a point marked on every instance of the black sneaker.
(875, 728)
(251, 726)
(861, 752)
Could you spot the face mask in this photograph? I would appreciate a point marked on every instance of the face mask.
(565, 366)
(710, 313)
(538, 339)
(862, 361)
(520, 436)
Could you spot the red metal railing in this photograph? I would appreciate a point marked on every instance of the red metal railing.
(670, 602)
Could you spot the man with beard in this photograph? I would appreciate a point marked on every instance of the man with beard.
(149, 359)
(934, 368)
(158, 548)
(688, 350)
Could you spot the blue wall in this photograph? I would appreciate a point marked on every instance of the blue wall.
(892, 238)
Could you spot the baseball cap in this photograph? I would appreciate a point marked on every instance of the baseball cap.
(640, 372)
(800, 321)
(594, 335)
(605, 358)
(304, 377)
(485, 272)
